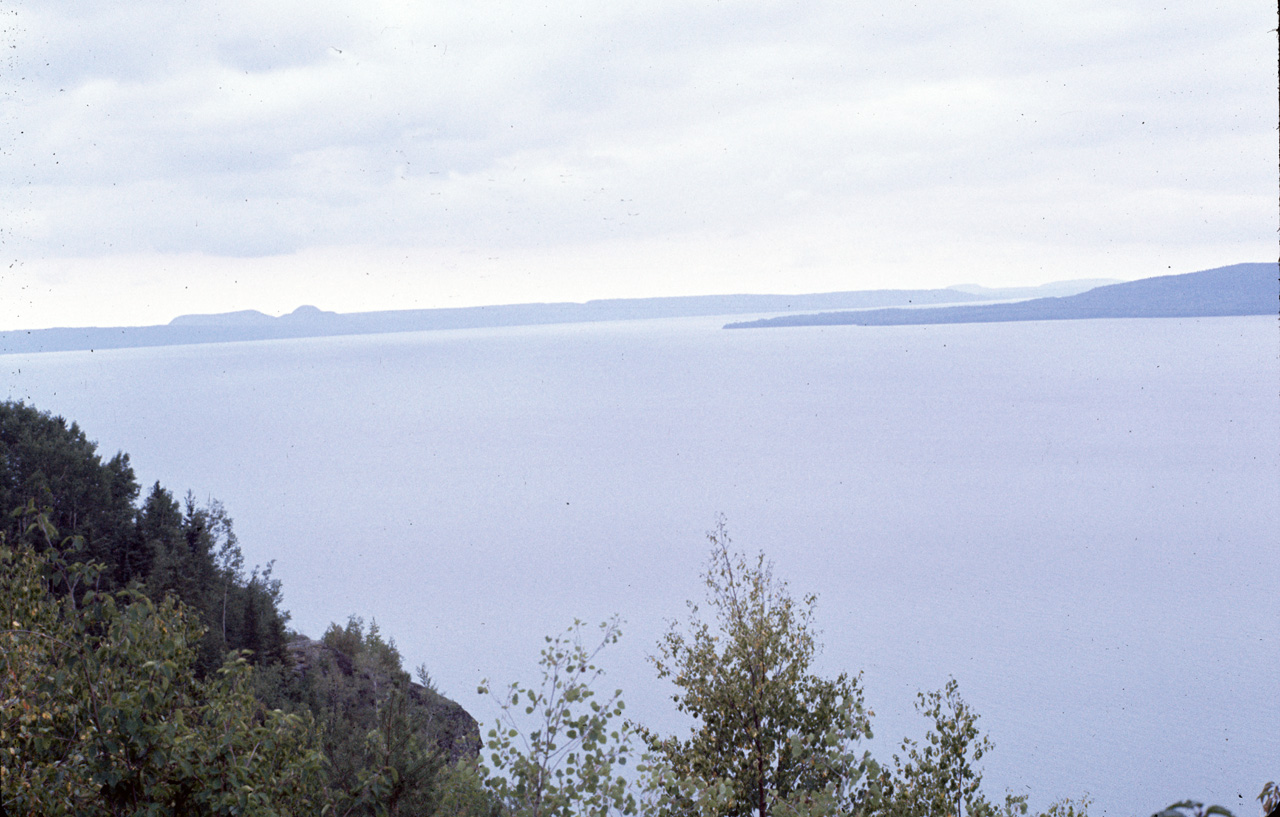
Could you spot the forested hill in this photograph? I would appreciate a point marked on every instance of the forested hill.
(142, 605)
(1240, 289)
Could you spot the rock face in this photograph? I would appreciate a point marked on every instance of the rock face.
(340, 681)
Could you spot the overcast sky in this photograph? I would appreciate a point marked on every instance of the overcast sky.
(169, 157)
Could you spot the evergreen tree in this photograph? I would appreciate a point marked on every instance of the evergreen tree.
(48, 463)
(161, 533)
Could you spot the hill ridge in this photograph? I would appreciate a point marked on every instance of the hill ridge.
(1237, 289)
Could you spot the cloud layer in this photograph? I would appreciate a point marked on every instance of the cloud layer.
(417, 151)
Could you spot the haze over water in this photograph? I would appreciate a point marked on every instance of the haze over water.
(1076, 519)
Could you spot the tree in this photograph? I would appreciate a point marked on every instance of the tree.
(101, 712)
(940, 778)
(770, 736)
(173, 567)
(383, 755)
(402, 767)
(50, 468)
(116, 694)
(463, 793)
(565, 760)
(46, 461)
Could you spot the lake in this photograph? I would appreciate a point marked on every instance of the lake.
(1077, 519)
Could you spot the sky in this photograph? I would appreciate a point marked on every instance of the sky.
(162, 158)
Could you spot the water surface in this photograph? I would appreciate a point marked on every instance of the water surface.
(1076, 519)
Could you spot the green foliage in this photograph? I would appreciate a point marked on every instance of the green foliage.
(368, 649)
(565, 758)
(51, 470)
(103, 714)
(195, 556)
(940, 778)
(770, 736)
(399, 767)
(375, 749)
(51, 464)
(425, 680)
(462, 792)
(383, 752)
(348, 640)
(1065, 807)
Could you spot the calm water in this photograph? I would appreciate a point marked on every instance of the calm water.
(1078, 520)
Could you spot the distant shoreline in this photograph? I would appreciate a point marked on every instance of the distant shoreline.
(308, 321)
(1239, 289)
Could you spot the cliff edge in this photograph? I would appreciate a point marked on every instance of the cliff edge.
(357, 686)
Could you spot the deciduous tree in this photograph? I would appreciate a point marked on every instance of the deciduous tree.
(940, 776)
(101, 712)
(557, 750)
(770, 736)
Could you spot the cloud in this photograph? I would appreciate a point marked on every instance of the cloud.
(244, 130)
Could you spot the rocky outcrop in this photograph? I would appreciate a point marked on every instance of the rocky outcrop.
(341, 681)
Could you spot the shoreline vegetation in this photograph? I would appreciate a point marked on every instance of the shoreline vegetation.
(145, 669)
